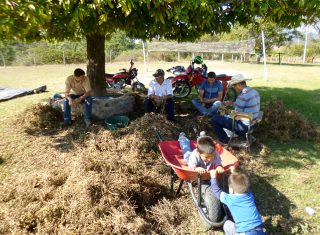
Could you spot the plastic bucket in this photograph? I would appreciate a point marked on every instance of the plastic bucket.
(116, 121)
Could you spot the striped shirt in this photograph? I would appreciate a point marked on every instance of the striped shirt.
(248, 101)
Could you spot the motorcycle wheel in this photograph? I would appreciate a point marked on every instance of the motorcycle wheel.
(138, 87)
(119, 84)
(181, 89)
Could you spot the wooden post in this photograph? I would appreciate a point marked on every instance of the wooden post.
(305, 47)
(222, 57)
(264, 56)
(144, 56)
(63, 57)
(178, 56)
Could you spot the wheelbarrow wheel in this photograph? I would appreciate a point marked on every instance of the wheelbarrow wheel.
(211, 205)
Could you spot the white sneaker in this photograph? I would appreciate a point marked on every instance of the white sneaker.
(203, 133)
(87, 122)
(182, 134)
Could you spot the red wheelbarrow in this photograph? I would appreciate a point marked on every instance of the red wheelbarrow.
(209, 207)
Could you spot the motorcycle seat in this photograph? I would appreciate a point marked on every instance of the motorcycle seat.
(221, 75)
(108, 75)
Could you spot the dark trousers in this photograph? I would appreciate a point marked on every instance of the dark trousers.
(169, 107)
(220, 122)
(67, 110)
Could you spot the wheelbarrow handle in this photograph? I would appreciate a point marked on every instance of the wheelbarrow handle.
(195, 130)
(158, 133)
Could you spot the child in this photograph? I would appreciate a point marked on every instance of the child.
(241, 204)
(204, 157)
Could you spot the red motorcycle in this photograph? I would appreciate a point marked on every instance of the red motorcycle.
(182, 83)
(124, 78)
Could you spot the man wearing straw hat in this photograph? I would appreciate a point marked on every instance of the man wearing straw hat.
(248, 101)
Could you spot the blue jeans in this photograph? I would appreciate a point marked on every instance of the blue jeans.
(184, 143)
(169, 107)
(230, 229)
(209, 110)
(220, 122)
(67, 110)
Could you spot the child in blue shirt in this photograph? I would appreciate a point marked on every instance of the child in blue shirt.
(240, 202)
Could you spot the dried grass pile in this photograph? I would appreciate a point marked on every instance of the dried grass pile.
(39, 117)
(106, 183)
(284, 124)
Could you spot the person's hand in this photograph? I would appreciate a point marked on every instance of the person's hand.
(200, 170)
(209, 101)
(70, 101)
(219, 169)
(77, 101)
(228, 103)
(213, 173)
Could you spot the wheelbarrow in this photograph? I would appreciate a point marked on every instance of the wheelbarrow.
(209, 207)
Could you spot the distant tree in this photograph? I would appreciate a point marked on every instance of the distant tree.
(7, 53)
(313, 50)
(293, 49)
(275, 35)
(119, 42)
(172, 19)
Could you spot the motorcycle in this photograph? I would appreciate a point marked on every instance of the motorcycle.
(126, 77)
(182, 83)
(176, 70)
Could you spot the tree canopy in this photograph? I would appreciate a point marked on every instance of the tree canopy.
(181, 20)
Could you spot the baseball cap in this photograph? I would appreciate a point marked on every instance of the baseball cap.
(159, 72)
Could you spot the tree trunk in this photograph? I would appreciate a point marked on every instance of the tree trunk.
(96, 63)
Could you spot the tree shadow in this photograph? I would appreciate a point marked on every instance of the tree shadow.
(297, 155)
(306, 102)
(294, 65)
(273, 205)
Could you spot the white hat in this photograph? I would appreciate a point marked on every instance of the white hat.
(237, 78)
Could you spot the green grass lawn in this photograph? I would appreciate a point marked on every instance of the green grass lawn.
(286, 179)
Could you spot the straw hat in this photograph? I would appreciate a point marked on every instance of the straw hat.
(237, 78)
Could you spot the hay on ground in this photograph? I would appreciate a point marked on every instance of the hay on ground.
(285, 124)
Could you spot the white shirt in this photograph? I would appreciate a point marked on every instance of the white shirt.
(160, 90)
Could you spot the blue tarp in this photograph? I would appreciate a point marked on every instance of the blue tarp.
(9, 93)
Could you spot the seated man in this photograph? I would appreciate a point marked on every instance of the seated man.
(160, 93)
(210, 95)
(248, 101)
(78, 90)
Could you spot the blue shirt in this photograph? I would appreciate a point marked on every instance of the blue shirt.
(248, 101)
(243, 210)
(211, 90)
(242, 207)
